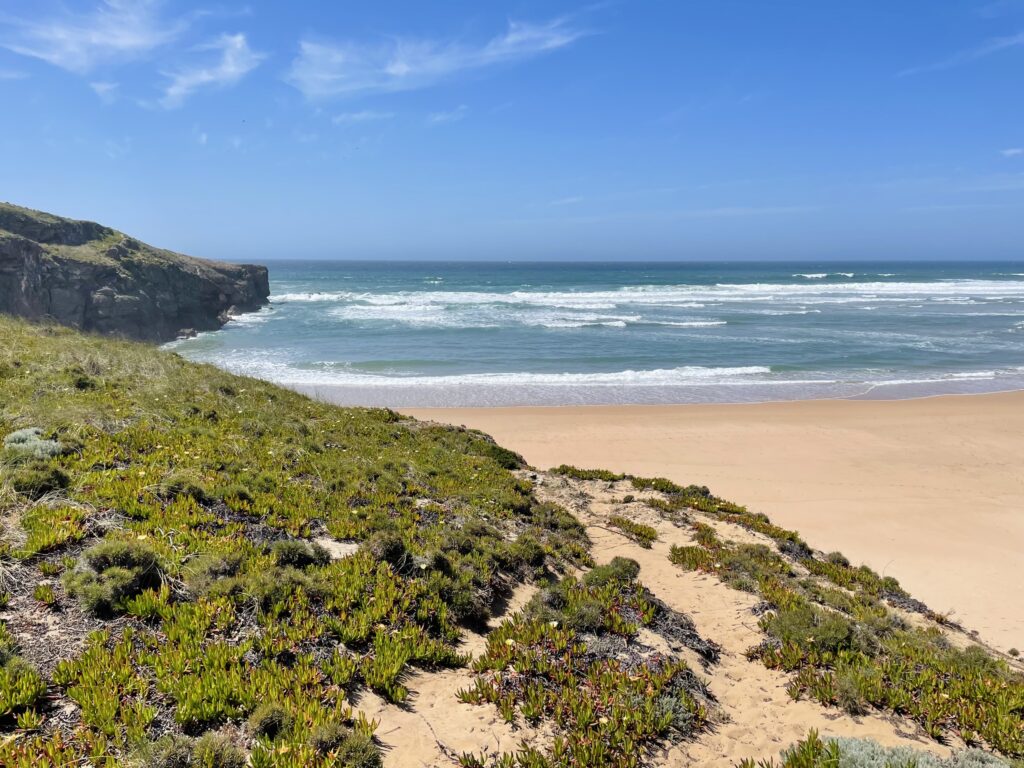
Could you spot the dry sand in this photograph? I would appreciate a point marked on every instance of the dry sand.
(930, 491)
(753, 715)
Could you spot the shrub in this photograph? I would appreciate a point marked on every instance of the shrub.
(171, 751)
(269, 720)
(864, 753)
(112, 572)
(587, 474)
(37, 478)
(328, 737)
(527, 551)
(659, 484)
(211, 750)
(31, 443)
(298, 553)
(807, 624)
(357, 750)
(215, 750)
(620, 570)
(389, 548)
(182, 483)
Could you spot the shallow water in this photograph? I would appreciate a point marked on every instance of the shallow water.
(421, 333)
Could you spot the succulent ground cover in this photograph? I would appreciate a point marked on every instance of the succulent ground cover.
(836, 628)
(198, 569)
(571, 657)
(161, 520)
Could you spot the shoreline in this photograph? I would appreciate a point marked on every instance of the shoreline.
(928, 489)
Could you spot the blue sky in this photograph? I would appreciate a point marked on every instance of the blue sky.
(645, 129)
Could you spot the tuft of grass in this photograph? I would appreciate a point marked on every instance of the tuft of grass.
(111, 573)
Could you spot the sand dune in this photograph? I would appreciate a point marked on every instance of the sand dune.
(930, 491)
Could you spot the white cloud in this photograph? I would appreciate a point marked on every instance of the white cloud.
(325, 69)
(236, 60)
(106, 91)
(994, 45)
(451, 116)
(1012, 152)
(365, 116)
(12, 74)
(113, 30)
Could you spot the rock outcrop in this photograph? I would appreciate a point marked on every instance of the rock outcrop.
(94, 278)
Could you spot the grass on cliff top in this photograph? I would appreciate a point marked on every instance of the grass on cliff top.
(104, 246)
(187, 521)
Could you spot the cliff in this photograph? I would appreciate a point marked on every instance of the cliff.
(94, 278)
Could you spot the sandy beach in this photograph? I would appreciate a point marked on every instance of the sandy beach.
(930, 491)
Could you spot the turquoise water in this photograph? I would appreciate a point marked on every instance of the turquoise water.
(421, 333)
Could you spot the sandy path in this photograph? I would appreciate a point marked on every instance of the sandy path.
(760, 718)
(930, 491)
(754, 716)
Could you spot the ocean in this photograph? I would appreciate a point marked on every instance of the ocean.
(476, 334)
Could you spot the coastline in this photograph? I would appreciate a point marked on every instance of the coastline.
(929, 490)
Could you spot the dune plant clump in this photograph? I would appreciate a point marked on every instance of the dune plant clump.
(815, 752)
(21, 686)
(836, 632)
(644, 535)
(183, 521)
(569, 658)
(29, 442)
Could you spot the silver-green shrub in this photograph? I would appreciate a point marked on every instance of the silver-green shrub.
(864, 753)
(30, 442)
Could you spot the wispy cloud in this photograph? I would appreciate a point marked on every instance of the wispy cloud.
(105, 90)
(451, 116)
(114, 29)
(365, 116)
(236, 59)
(1012, 152)
(995, 45)
(12, 74)
(326, 69)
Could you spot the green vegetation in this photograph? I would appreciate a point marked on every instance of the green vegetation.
(182, 503)
(20, 685)
(568, 658)
(567, 470)
(813, 752)
(254, 559)
(644, 535)
(847, 648)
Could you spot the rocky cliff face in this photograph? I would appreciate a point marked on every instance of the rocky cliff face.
(94, 278)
